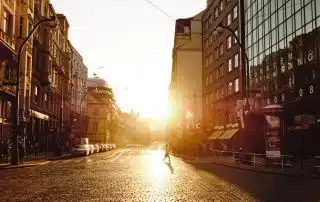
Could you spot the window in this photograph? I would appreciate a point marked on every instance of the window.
(230, 88)
(210, 40)
(211, 78)
(7, 25)
(217, 73)
(21, 27)
(221, 5)
(229, 42)
(94, 126)
(216, 53)
(230, 65)
(95, 112)
(29, 27)
(36, 94)
(229, 19)
(236, 85)
(8, 110)
(46, 100)
(221, 70)
(236, 60)
(216, 13)
(236, 33)
(210, 58)
(235, 12)
(221, 49)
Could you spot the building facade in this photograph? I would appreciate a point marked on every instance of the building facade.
(50, 119)
(186, 77)
(221, 63)
(100, 103)
(282, 43)
(79, 94)
(8, 51)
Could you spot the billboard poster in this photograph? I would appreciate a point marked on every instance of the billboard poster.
(273, 145)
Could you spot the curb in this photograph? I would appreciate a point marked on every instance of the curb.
(9, 167)
(250, 169)
(59, 157)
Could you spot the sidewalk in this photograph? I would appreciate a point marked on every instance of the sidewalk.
(31, 163)
(258, 167)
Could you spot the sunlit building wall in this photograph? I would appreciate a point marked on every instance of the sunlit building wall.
(9, 19)
(98, 111)
(186, 79)
(221, 63)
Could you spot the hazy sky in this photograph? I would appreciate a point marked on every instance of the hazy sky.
(133, 41)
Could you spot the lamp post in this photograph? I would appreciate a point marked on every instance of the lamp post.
(245, 70)
(16, 123)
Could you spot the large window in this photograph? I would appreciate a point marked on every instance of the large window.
(230, 88)
(235, 12)
(236, 85)
(229, 42)
(229, 19)
(95, 127)
(236, 60)
(230, 65)
(221, 49)
(7, 23)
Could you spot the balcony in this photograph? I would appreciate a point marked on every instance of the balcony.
(7, 41)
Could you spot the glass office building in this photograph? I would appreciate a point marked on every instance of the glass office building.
(283, 46)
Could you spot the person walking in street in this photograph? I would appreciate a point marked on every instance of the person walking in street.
(166, 155)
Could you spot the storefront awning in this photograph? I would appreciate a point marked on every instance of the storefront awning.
(228, 134)
(39, 115)
(216, 134)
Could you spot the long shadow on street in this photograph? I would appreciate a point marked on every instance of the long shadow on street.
(266, 187)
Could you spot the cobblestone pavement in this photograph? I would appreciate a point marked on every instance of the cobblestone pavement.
(141, 175)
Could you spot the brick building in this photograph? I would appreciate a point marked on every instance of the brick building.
(221, 63)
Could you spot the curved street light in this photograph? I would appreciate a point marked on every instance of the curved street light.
(245, 70)
(15, 151)
(219, 28)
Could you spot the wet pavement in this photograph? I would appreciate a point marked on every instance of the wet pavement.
(136, 174)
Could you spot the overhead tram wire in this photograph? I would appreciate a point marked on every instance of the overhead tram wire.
(164, 12)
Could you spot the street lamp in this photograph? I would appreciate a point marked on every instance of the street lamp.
(14, 154)
(245, 70)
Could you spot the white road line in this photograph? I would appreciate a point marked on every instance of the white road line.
(120, 154)
(77, 161)
(88, 160)
(66, 161)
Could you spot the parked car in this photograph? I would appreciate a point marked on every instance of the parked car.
(91, 146)
(102, 148)
(82, 149)
(96, 148)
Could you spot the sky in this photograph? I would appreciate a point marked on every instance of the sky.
(133, 43)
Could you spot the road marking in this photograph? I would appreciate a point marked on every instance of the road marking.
(120, 154)
(66, 161)
(89, 160)
(44, 163)
(77, 161)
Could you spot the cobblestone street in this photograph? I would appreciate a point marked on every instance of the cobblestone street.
(141, 175)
